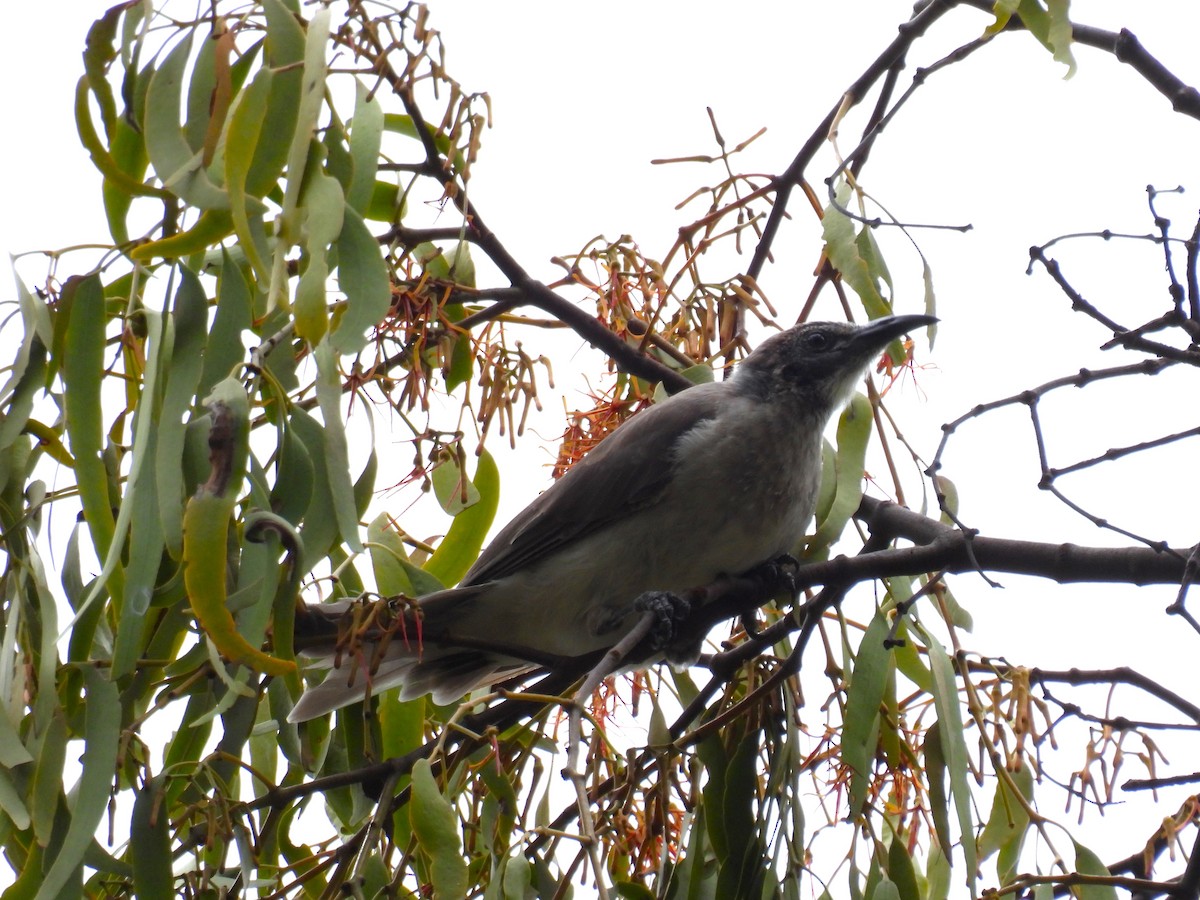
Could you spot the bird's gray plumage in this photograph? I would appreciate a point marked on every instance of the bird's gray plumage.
(710, 482)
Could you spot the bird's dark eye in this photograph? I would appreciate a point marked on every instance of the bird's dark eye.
(816, 340)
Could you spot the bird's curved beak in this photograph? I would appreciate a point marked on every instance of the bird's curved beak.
(882, 331)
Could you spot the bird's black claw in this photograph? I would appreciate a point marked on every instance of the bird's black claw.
(750, 625)
(670, 611)
(782, 570)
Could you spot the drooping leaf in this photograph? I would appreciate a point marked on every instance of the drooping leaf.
(436, 828)
(366, 133)
(83, 366)
(337, 451)
(387, 552)
(860, 733)
(853, 435)
(953, 745)
(844, 250)
(150, 841)
(1088, 863)
(102, 728)
(320, 525)
(312, 94)
(451, 485)
(363, 277)
(900, 870)
(741, 873)
(102, 159)
(1007, 824)
(246, 124)
(324, 208)
(205, 534)
(460, 547)
(179, 167)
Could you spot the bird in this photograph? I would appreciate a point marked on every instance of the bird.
(712, 481)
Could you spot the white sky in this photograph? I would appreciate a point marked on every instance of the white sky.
(584, 96)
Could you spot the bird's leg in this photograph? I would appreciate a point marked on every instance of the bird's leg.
(779, 571)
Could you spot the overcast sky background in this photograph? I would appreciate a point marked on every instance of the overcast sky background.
(584, 96)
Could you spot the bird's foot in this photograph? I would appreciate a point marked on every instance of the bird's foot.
(782, 571)
(778, 574)
(669, 610)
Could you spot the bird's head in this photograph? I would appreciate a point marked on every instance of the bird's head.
(820, 362)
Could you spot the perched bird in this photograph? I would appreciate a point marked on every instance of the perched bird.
(712, 481)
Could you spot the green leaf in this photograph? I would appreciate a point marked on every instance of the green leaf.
(909, 661)
(364, 485)
(83, 370)
(387, 203)
(179, 167)
(461, 268)
(309, 307)
(324, 209)
(698, 374)
(99, 52)
(200, 93)
(294, 481)
(285, 36)
(337, 452)
(129, 156)
(900, 870)
(363, 277)
(387, 553)
(1049, 22)
(631, 890)
(402, 725)
(828, 489)
(320, 528)
(742, 866)
(242, 151)
(12, 751)
(213, 226)
(102, 727)
(28, 378)
(114, 174)
(954, 747)
(860, 734)
(436, 828)
(150, 842)
(145, 536)
(366, 134)
(937, 872)
(206, 524)
(853, 435)
(451, 486)
(1088, 863)
(460, 547)
(13, 805)
(499, 815)
(844, 250)
(401, 124)
(516, 877)
(462, 361)
(187, 332)
(939, 799)
(312, 95)
(1007, 825)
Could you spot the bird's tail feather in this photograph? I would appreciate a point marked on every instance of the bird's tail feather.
(447, 676)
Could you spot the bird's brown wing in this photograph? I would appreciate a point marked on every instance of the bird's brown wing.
(627, 472)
